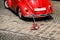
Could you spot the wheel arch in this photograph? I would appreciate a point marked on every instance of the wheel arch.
(21, 7)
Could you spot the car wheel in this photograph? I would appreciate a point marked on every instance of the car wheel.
(6, 4)
(19, 13)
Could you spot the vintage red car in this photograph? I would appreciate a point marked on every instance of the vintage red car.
(30, 8)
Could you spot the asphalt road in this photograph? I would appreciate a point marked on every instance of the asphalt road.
(49, 27)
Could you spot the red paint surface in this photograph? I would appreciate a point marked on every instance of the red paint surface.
(30, 5)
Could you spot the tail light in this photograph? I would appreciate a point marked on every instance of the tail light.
(26, 9)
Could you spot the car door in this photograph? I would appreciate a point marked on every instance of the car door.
(14, 4)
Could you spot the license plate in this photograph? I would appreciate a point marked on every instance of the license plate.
(39, 9)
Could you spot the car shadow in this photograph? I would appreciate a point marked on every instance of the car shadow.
(13, 12)
(55, 0)
(47, 18)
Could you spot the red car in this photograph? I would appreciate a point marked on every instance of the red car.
(30, 8)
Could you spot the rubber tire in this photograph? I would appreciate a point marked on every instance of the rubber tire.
(5, 4)
(19, 13)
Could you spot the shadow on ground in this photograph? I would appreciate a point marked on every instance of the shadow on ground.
(48, 18)
(55, 0)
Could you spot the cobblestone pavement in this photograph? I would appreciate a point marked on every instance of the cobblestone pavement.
(1, 4)
(8, 35)
(47, 28)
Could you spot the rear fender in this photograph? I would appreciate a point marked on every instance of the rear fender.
(9, 3)
(21, 7)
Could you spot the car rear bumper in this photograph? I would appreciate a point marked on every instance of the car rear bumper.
(38, 15)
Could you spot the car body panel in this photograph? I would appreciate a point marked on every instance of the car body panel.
(30, 8)
(9, 3)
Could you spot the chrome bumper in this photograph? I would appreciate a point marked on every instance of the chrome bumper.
(36, 16)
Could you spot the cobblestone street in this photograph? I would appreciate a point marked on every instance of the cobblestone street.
(49, 27)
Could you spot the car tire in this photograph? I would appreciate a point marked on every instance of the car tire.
(20, 14)
(5, 4)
